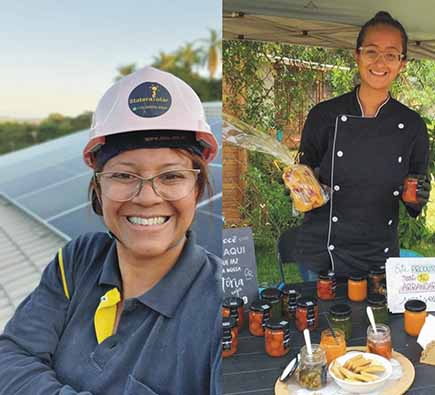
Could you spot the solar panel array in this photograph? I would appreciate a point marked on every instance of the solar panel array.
(50, 182)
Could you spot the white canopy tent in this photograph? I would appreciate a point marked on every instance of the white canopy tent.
(327, 23)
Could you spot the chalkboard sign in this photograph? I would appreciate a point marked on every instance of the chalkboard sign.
(410, 278)
(239, 271)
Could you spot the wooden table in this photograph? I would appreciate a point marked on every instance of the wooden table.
(251, 371)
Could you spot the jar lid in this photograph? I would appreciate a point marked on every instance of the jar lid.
(290, 368)
(277, 325)
(270, 294)
(341, 310)
(326, 275)
(289, 288)
(357, 277)
(228, 322)
(415, 305)
(376, 300)
(305, 302)
(379, 269)
(260, 306)
(232, 301)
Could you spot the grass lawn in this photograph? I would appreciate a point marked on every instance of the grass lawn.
(267, 262)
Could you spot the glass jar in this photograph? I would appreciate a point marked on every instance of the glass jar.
(289, 295)
(376, 278)
(381, 342)
(233, 307)
(307, 314)
(229, 337)
(340, 316)
(259, 314)
(312, 368)
(409, 194)
(326, 285)
(334, 346)
(357, 288)
(378, 303)
(277, 338)
(414, 317)
(272, 296)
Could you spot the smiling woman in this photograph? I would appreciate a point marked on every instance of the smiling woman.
(135, 310)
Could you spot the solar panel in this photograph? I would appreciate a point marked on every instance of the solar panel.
(51, 181)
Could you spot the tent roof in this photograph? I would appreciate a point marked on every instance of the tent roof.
(327, 23)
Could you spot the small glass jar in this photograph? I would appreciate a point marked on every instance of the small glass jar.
(272, 296)
(357, 288)
(414, 317)
(233, 307)
(376, 278)
(312, 368)
(326, 285)
(380, 343)
(229, 337)
(378, 303)
(409, 194)
(334, 346)
(307, 314)
(292, 304)
(289, 292)
(277, 338)
(259, 314)
(340, 316)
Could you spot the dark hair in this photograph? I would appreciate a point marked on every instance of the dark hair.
(383, 18)
(203, 183)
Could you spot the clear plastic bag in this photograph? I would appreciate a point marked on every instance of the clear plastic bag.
(305, 190)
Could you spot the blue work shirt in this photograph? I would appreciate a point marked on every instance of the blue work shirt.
(167, 341)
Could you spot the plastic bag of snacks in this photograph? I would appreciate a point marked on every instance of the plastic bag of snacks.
(305, 190)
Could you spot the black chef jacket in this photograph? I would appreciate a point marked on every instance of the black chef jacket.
(364, 161)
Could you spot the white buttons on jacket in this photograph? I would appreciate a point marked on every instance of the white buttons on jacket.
(340, 154)
(399, 159)
(386, 250)
(336, 188)
(343, 118)
(400, 125)
(390, 222)
(331, 247)
(396, 193)
(334, 219)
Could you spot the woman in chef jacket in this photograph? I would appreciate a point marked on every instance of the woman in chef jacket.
(362, 144)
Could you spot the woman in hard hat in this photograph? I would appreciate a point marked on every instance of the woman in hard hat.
(135, 310)
(362, 145)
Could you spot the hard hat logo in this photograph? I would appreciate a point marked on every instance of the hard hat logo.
(149, 100)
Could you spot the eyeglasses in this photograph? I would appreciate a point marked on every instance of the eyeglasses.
(169, 185)
(371, 54)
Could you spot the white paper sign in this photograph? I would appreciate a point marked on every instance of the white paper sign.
(410, 278)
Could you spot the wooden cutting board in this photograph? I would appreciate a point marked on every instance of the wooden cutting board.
(400, 387)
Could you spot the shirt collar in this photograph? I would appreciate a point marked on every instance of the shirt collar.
(166, 295)
(357, 107)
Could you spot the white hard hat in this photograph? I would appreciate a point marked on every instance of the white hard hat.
(149, 99)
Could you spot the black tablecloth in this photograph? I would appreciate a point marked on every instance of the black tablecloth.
(252, 371)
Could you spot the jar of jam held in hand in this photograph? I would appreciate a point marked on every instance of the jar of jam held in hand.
(312, 368)
(380, 343)
(307, 314)
(229, 336)
(340, 316)
(259, 315)
(277, 338)
(334, 346)
(376, 280)
(326, 285)
(288, 292)
(378, 303)
(233, 307)
(272, 296)
(409, 194)
(414, 316)
(357, 288)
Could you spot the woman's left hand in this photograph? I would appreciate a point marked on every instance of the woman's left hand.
(422, 192)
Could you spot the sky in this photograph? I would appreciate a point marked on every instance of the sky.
(61, 56)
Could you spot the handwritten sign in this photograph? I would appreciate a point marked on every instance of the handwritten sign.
(410, 278)
(239, 271)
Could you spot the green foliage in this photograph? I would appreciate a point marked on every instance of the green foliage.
(17, 135)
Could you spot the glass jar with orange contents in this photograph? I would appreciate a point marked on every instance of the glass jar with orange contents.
(259, 314)
(357, 288)
(334, 346)
(414, 317)
(380, 342)
(326, 285)
(307, 314)
(229, 337)
(277, 338)
(233, 307)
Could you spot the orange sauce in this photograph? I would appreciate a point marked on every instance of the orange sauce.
(414, 321)
(334, 347)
